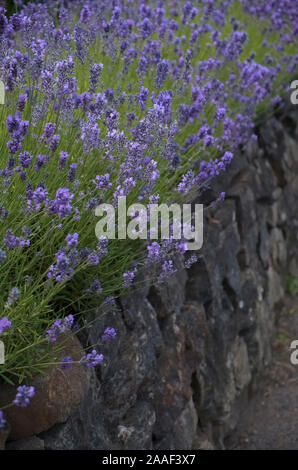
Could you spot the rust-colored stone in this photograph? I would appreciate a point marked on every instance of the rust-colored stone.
(57, 394)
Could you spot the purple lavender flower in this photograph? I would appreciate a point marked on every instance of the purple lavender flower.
(102, 181)
(90, 133)
(39, 197)
(62, 204)
(66, 363)
(63, 269)
(143, 97)
(84, 101)
(100, 103)
(72, 240)
(220, 114)
(187, 182)
(128, 277)
(2, 256)
(93, 258)
(5, 324)
(74, 257)
(109, 302)
(85, 14)
(21, 102)
(16, 21)
(95, 74)
(62, 160)
(154, 252)
(53, 333)
(72, 172)
(167, 271)
(154, 198)
(47, 81)
(60, 327)
(109, 94)
(13, 297)
(3, 212)
(18, 130)
(25, 159)
(24, 395)
(3, 24)
(109, 334)
(208, 140)
(143, 66)
(54, 142)
(146, 28)
(49, 131)
(12, 242)
(67, 324)
(127, 185)
(13, 124)
(92, 359)
(95, 288)
(161, 73)
(190, 261)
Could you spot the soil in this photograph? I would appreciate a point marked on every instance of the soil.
(271, 419)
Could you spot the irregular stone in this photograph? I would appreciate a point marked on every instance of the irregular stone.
(28, 443)
(275, 287)
(241, 368)
(132, 432)
(185, 428)
(278, 248)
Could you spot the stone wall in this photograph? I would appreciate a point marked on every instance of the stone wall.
(189, 356)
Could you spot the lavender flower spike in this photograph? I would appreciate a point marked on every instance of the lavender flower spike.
(92, 359)
(109, 334)
(23, 396)
(5, 324)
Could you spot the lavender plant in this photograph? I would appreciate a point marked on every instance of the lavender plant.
(103, 99)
